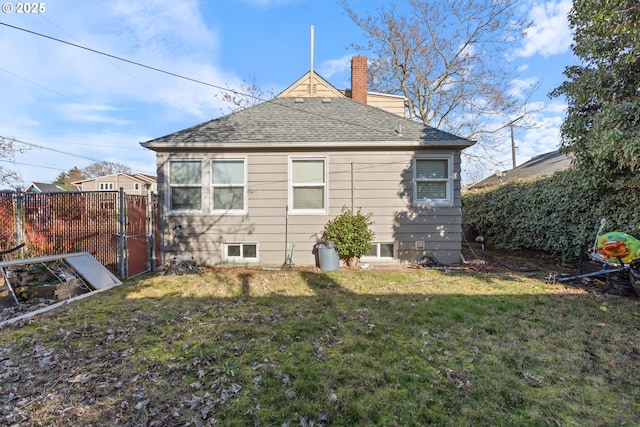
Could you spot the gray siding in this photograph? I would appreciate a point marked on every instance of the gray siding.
(379, 183)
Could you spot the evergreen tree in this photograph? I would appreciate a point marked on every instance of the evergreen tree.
(601, 129)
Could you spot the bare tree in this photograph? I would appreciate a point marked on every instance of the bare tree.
(102, 168)
(450, 60)
(105, 167)
(8, 149)
(247, 95)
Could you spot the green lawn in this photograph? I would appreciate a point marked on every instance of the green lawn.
(345, 348)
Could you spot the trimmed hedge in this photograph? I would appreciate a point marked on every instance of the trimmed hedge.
(555, 214)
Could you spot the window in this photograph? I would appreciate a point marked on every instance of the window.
(432, 181)
(308, 185)
(185, 184)
(381, 250)
(228, 185)
(105, 186)
(241, 252)
(136, 185)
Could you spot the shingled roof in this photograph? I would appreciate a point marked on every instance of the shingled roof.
(537, 167)
(307, 122)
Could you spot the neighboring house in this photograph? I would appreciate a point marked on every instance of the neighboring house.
(130, 183)
(255, 185)
(42, 187)
(542, 165)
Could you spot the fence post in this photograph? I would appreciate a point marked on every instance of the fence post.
(151, 257)
(19, 230)
(122, 236)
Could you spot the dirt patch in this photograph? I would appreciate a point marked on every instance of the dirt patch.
(532, 262)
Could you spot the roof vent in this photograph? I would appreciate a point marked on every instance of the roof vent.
(399, 130)
(299, 100)
(326, 100)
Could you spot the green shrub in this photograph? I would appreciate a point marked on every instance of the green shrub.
(350, 234)
(556, 214)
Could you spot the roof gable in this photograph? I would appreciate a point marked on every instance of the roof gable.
(311, 85)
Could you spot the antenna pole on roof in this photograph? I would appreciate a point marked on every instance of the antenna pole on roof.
(311, 69)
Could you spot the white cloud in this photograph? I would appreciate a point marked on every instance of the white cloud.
(67, 98)
(95, 113)
(162, 25)
(334, 66)
(549, 33)
(522, 87)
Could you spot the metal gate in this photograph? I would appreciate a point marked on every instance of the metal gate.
(138, 222)
(118, 230)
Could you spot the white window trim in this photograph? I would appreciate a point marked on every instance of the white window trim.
(377, 256)
(170, 186)
(244, 186)
(325, 203)
(449, 181)
(240, 258)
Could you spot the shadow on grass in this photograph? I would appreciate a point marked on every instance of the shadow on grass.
(329, 348)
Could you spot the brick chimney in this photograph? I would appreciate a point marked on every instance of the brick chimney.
(359, 79)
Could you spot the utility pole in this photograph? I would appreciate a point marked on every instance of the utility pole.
(513, 147)
(511, 124)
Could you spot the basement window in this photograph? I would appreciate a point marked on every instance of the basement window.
(381, 250)
(241, 252)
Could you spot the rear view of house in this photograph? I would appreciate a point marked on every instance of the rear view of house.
(248, 187)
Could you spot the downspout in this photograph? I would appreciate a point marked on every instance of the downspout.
(352, 197)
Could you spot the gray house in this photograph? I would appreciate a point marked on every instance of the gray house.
(43, 187)
(250, 187)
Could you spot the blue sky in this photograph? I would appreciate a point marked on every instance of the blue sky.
(74, 106)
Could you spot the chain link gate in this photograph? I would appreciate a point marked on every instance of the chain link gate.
(118, 230)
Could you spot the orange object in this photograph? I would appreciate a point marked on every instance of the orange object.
(614, 249)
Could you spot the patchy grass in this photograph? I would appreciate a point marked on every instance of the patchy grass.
(344, 348)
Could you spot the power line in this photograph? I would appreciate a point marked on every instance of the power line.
(31, 164)
(180, 76)
(131, 62)
(39, 85)
(48, 148)
(106, 59)
(115, 147)
(14, 140)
